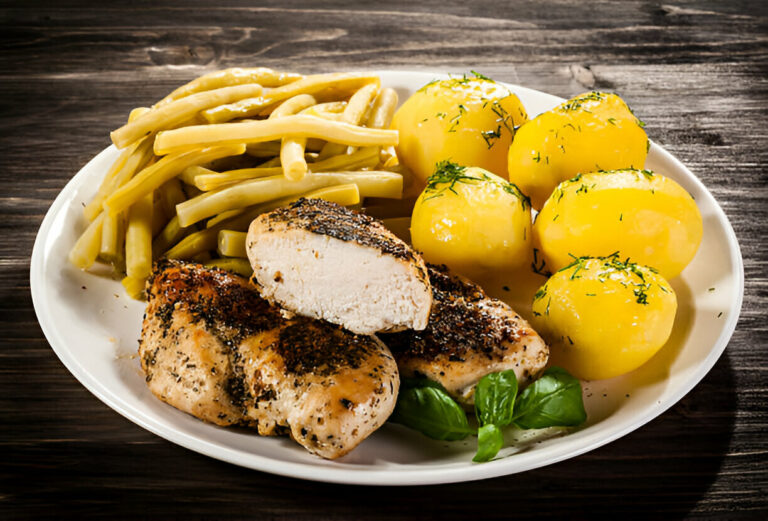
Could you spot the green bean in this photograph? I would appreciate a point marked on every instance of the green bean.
(159, 219)
(138, 239)
(229, 77)
(339, 82)
(168, 237)
(213, 180)
(255, 191)
(263, 149)
(383, 109)
(137, 159)
(171, 141)
(83, 254)
(354, 113)
(231, 243)
(134, 286)
(167, 168)
(170, 114)
(172, 195)
(207, 180)
(237, 265)
(194, 244)
(113, 240)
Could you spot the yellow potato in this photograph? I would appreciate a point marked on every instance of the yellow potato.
(603, 317)
(468, 120)
(594, 131)
(641, 215)
(472, 221)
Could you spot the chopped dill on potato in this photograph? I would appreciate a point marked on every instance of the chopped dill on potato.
(447, 172)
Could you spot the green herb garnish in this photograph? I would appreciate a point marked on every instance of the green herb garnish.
(539, 264)
(554, 400)
(431, 411)
(447, 173)
(576, 103)
(481, 76)
(490, 136)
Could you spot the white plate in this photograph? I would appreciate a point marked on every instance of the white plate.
(93, 328)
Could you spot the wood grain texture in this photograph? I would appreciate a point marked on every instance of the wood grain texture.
(695, 71)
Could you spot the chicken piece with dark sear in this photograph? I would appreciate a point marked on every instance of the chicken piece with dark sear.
(469, 335)
(212, 347)
(319, 259)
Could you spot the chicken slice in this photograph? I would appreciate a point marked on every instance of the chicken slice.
(318, 259)
(469, 335)
(212, 347)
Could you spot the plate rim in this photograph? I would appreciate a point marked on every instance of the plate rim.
(393, 476)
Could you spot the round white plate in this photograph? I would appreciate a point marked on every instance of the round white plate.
(93, 327)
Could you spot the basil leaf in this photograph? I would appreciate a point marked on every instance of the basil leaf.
(554, 400)
(489, 442)
(495, 398)
(432, 412)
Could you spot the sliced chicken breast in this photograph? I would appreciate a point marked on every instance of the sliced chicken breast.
(212, 347)
(469, 335)
(318, 259)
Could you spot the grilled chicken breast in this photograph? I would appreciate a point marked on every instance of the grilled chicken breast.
(212, 347)
(318, 259)
(469, 335)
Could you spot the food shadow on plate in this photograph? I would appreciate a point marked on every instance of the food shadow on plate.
(605, 398)
(396, 444)
(665, 467)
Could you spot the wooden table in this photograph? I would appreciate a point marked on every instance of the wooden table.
(697, 73)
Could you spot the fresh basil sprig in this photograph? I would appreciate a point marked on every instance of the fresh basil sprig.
(554, 400)
(494, 405)
(495, 398)
(432, 412)
(489, 442)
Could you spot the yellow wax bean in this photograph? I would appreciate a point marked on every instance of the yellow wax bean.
(214, 180)
(175, 112)
(135, 286)
(229, 77)
(112, 239)
(292, 148)
(239, 220)
(297, 126)
(255, 191)
(354, 113)
(339, 83)
(224, 216)
(168, 237)
(265, 149)
(167, 168)
(231, 244)
(188, 175)
(172, 195)
(137, 157)
(86, 249)
(330, 110)
(234, 264)
(194, 244)
(383, 109)
(138, 239)
(137, 113)
(159, 219)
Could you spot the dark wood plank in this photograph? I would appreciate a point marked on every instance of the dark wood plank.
(695, 71)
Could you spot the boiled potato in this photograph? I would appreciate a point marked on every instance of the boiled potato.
(594, 131)
(644, 216)
(472, 221)
(603, 317)
(468, 120)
